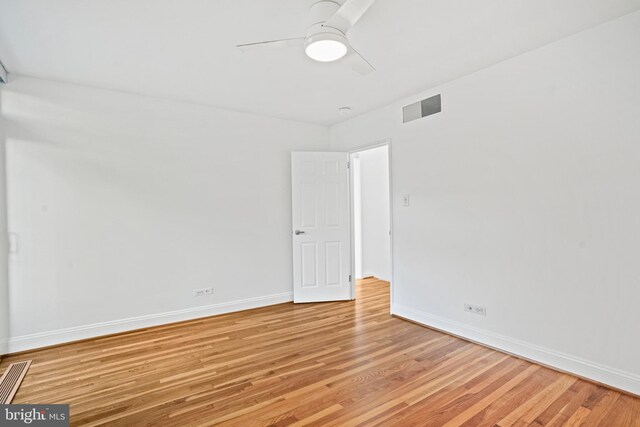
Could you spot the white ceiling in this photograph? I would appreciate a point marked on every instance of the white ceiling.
(185, 49)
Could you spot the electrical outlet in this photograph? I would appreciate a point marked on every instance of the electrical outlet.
(475, 309)
(405, 200)
(202, 292)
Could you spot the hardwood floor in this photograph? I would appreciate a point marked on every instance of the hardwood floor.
(328, 364)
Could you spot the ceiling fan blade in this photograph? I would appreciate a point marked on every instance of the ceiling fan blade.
(272, 44)
(357, 62)
(348, 14)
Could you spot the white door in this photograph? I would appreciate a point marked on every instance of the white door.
(320, 229)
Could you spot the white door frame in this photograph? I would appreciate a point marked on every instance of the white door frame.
(383, 143)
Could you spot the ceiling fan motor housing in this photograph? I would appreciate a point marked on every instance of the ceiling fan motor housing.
(319, 34)
(321, 11)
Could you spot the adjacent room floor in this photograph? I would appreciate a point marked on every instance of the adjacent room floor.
(326, 364)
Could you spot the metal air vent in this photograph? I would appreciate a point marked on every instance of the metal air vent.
(423, 108)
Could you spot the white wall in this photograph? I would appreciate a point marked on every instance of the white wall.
(124, 204)
(4, 274)
(374, 183)
(525, 199)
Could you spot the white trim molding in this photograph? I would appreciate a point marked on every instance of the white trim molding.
(606, 375)
(381, 143)
(60, 336)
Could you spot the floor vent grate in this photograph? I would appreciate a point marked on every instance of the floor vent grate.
(11, 380)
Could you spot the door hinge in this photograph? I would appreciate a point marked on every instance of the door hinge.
(348, 165)
(349, 278)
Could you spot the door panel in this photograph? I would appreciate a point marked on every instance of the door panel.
(309, 264)
(333, 266)
(320, 233)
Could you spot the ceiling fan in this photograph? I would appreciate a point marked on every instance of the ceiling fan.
(326, 38)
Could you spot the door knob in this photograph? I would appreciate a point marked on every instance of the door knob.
(298, 232)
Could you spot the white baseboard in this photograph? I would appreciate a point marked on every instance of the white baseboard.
(43, 339)
(583, 368)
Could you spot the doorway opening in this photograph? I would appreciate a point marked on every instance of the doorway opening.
(371, 215)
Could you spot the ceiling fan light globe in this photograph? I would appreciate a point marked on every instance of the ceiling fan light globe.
(326, 47)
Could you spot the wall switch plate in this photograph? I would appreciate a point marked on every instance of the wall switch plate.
(475, 309)
(405, 200)
(13, 243)
(202, 292)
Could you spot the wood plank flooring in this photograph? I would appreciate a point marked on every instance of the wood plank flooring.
(328, 364)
